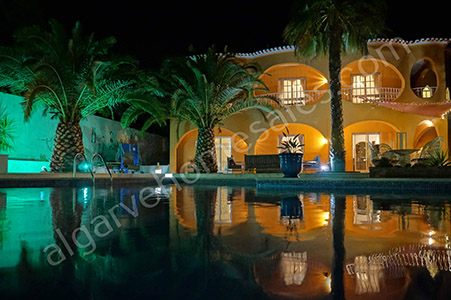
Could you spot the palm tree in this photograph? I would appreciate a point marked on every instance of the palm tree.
(332, 27)
(7, 130)
(70, 74)
(203, 90)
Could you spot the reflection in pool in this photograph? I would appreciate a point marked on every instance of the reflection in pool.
(198, 242)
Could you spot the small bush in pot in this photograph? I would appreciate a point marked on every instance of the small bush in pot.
(291, 155)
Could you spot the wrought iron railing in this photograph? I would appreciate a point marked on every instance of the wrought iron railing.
(424, 91)
(300, 98)
(355, 95)
(362, 95)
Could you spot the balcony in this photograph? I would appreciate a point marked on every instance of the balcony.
(424, 91)
(355, 95)
(300, 99)
(360, 95)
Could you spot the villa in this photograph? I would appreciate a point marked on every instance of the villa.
(396, 95)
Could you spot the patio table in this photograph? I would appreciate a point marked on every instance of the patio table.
(404, 155)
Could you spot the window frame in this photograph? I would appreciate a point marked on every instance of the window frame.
(293, 96)
(365, 91)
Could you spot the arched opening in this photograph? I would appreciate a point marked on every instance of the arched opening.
(425, 132)
(227, 143)
(295, 84)
(371, 79)
(357, 137)
(314, 141)
(423, 79)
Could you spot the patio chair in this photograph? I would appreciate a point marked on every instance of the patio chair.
(312, 165)
(428, 149)
(385, 150)
(375, 152)
(431, 147)
(232, 165)
(129, 157)
(379, 151)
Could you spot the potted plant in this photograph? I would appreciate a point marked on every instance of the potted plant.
(6, 139)
(291, 155)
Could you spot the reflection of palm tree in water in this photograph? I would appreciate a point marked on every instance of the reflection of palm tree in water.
(338, 208)
(66, 216)
(44, 280)
(205, 202)
(228, 259)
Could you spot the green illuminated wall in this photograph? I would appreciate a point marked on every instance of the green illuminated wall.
(34, 139)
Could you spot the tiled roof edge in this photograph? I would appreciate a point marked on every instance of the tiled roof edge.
(400, 41)
(405, 42)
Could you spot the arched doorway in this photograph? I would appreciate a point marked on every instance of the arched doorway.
(371, 79)
(358, 135)
(425, 132)
(227, 143)
(295, 84)
(314, 141)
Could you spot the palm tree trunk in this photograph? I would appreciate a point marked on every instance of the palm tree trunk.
(68, 142)
(205, 158)
(337, 150)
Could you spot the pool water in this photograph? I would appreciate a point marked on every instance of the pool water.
(207, 242)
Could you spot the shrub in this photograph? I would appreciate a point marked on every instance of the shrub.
(439, 158)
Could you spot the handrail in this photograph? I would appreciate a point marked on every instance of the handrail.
(300, 98)
(360, 95)
(104, 163)
(75, 165)
(355, 95)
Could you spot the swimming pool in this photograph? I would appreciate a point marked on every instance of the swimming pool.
(228, 242)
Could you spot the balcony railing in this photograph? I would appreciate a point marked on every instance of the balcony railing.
(361, 95)
(425, 91)
(355, 95)
(302, 98)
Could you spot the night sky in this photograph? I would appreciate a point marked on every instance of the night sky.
(153, 30)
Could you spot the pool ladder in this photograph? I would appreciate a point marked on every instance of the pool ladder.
(96, 155)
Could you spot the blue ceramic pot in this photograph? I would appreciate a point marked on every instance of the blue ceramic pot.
(291, 164)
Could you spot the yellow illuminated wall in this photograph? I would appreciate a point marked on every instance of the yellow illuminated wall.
(314, 79)
(315, 142)
(388, 75)
(186, 147)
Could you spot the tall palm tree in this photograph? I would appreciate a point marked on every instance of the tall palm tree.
(203, 90)
(330, 27)
(72, 75)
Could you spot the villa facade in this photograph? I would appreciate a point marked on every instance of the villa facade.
(398, 95)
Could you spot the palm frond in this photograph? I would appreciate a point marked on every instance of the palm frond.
(7, 131)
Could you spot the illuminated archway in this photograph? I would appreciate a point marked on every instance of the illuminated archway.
(294, 80)
(385, 131)
(315, 142)
(423, 78)
(424, 133)
(371, 78)
(185, 149)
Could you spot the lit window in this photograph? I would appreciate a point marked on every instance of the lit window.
(364, 86)
(427, 92)
(292, 91)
